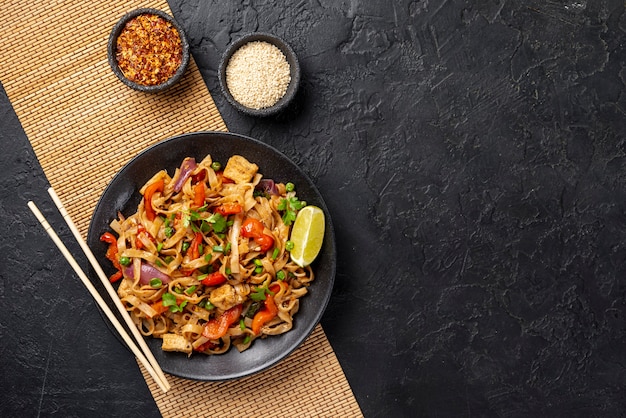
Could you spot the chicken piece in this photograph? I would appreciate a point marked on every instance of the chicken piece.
(225, 297)
(174, 342)
(239, 169)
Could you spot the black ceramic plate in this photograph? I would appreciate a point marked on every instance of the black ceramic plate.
(122, 194)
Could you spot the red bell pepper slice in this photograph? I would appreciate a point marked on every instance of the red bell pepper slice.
(216, 328)
(253, 228)
(203, 347)
(159, 307)
(198, 177)
(225, 180)
(214, 279)
(112, 255)
(269, 311)
(199, 194)
(266, 242)
(194, 251)
(142, 232)
(229, 209)
(157, 186)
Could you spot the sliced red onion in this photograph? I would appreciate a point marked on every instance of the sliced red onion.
(148, 272)
(188, 165)
(267, 186)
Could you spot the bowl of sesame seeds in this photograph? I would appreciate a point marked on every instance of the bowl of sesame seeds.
(259, 74)
(148, 50)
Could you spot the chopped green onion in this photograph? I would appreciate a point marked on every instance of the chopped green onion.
(242, 325)
(289, 245)
(200, 248)
(227, 270)
(158, 263)
(168, 231)
(202, 277)
(258, 270)
(125, 261)
(227, 249)
(156, 283)
(258, 262)
(168, 259)
(159, 247)
(280, 275)
(185, 246)
(190, 290)
(247, 339)
(218, 248)
(216, 166)
(207, 257)
(275, 253)
(290, 187)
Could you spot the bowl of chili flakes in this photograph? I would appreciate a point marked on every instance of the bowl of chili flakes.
(148, 50)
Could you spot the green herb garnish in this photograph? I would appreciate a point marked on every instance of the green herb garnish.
(290, 208)
(218, 222)
(169, 300)
(260, 293)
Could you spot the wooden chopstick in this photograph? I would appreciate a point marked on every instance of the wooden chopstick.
(107, 285)
(94, 293)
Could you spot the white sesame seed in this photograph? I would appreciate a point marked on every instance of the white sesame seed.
(257, 75)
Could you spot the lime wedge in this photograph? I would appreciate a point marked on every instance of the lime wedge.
(307, 235)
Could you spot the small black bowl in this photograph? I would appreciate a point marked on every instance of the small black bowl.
(111, 47)
(294, 69)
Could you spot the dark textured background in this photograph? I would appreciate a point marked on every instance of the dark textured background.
(472, 156)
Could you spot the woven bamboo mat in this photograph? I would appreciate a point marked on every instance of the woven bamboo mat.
(84, 125)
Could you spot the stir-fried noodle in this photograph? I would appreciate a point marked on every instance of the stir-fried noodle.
(203, 262)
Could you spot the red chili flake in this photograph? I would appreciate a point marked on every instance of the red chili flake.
(149, 50)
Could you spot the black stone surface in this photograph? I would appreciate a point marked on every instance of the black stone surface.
(472, 156)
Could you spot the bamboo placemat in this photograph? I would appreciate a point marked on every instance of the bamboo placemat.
(84, 125)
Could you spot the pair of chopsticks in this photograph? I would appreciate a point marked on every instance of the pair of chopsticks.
(144, 355)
